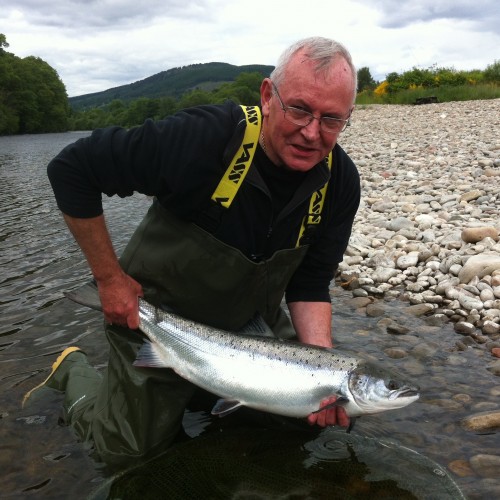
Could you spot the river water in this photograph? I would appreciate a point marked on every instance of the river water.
(39, 261)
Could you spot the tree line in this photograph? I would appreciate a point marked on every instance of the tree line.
(244, 90)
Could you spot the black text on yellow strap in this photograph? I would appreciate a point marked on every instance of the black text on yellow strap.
(313, 217)
(240, 164)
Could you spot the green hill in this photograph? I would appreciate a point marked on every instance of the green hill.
(173, 82)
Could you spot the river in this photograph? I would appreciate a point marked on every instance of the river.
(39, 261)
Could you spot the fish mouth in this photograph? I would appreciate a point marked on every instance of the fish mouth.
(410, 392)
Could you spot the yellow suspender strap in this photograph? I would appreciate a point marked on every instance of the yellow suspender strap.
(240, 164)
(315, 205)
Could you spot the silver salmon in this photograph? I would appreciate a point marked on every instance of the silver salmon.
(269, 374)
(262, 372)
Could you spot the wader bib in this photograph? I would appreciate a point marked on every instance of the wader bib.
(136, 413)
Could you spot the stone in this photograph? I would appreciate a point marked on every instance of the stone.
(375, 309)
(490, 328)
(400, 223)
(419, 309)
(464, 327)
(358, 302)
(486, 465)
(396, 352)
(475, 234)
(406, 261)
(471, 195)
(494, 367)
(479, 265)
(461, 468)
(482, 421)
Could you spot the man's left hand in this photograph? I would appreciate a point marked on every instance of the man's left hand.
(334, 415)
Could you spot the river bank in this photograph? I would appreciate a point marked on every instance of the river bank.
(428, 227)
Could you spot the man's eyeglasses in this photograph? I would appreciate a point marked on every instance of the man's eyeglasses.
(300, 117)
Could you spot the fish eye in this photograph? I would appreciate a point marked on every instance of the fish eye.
(392, 385)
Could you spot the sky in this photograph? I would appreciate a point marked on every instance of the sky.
(95, 45)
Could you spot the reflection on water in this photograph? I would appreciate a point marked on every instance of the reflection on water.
(39, 261)
(281, 463)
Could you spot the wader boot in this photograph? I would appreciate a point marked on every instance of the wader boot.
(67, 364)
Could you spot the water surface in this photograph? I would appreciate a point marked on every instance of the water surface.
(39, 261)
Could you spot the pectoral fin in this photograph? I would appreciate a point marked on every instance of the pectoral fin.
(224, 407)
(340, 401)
(257, 326)
(149, 357)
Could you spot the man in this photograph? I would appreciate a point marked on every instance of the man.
(214, 264)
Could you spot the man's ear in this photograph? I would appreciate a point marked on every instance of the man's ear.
(266, 93)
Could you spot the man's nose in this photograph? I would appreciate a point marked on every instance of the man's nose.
(312, 131)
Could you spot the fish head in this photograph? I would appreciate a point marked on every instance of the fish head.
(374, 390)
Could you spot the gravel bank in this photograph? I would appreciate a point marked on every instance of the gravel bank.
(428, 227)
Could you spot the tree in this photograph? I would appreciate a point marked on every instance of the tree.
(492, 72)
(33, 99)
(365, 79)
(3, 43)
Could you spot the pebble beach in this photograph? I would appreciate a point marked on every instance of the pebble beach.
(427, 233)
(428, 227)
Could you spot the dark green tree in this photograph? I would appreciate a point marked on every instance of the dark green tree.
(492, 73)
(365, 79)
(3, 42)
(33, 99)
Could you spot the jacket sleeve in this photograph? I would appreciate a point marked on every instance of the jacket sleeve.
(173, 159)
(312, 279)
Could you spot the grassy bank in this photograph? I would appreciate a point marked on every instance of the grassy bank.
(442, 93)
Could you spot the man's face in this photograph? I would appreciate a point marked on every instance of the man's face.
(327, 93)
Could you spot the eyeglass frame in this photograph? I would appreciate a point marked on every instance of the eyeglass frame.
(310, 116)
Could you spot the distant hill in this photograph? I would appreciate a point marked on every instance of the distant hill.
(173, 82)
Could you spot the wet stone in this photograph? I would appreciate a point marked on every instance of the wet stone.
(494, 368)
(482, 421)
(358, 302)
(464, 328)
(424, 350)
(375, 309)
(461, 468)
(448, 404)
(396, 352)
(486, 465)
(462, 398)
(419, 309)
(397, 329)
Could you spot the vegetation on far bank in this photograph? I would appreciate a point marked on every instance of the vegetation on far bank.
(445, 84)
(33, 99)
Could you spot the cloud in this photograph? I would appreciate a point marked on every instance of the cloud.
(112, 14)
(481, 14)
(95, 45)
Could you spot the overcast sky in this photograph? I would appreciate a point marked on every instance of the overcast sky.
(98, 44)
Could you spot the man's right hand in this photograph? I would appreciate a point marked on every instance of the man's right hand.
(118, 292)
(119, 299)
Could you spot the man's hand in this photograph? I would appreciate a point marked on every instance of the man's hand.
(119, 298)
(118, 291)
(334, 415)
